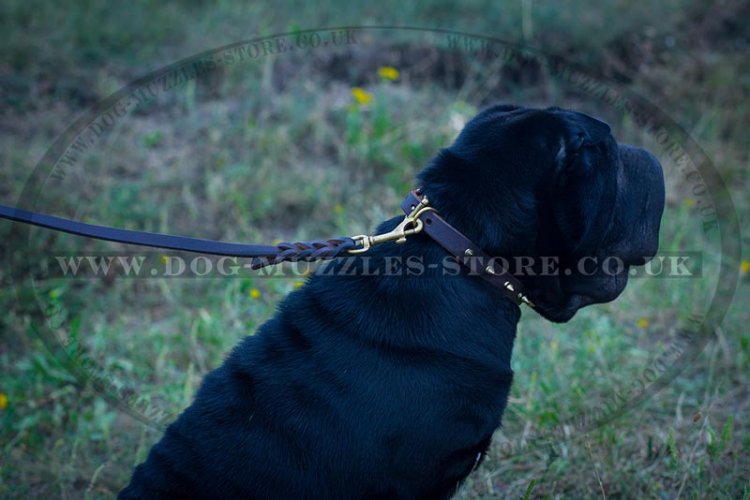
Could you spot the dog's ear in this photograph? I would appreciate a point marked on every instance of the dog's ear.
(582, 134)
(585, 181)
(586, 128)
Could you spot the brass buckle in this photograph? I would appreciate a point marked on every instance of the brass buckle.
(411, 224)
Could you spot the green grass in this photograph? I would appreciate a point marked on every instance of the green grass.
(237, 155)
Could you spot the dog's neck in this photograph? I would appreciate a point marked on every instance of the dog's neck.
(499, 215)
(392, 283)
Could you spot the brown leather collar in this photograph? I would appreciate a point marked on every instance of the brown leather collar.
(463, 249)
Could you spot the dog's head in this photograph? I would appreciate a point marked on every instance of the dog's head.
(552, 183)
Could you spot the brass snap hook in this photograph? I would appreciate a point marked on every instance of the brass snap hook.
(397, 234)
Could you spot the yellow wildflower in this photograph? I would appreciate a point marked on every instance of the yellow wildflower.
(339, 208)
(254, 293)
(642, 323)
(388, 72)
(361, 95)
(3, 401)
(689, 202)
(298, 284)
(554, 345)
(745, 266)
(164, 259)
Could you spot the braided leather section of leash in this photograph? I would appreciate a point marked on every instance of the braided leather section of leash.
(305, 251)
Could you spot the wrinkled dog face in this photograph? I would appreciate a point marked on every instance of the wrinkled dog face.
(553, 183)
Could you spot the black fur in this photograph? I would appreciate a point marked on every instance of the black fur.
(391, 386)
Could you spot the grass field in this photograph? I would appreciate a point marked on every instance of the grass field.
(304, 144)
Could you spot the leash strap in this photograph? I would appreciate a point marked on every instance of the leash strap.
(419, 217)
(463, 249)
(262, 255)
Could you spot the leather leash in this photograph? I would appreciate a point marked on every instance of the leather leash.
(262, 255)
(420, 217)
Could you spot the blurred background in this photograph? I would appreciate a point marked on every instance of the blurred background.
(269, 143)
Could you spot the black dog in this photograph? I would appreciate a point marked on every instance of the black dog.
(390, 386)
